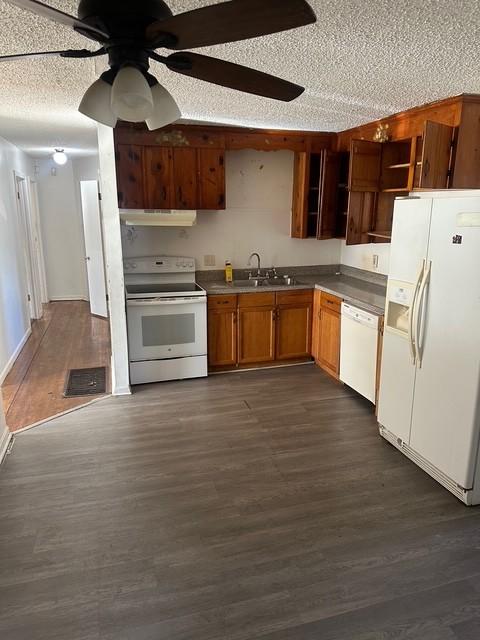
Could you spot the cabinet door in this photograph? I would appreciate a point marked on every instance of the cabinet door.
(436, 156)
(327, 218)
(159, 178)
(361, 214)
(129, 164)
(316, 328)
(365, 165)
(330, 341)
(211, 174)
(294, 331)
(185, 178)
(256, 335)
(301, 174)
(222, 338)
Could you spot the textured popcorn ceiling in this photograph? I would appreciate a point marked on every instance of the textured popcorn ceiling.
(364, 59)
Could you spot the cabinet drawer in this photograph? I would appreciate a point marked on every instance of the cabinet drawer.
(222, 302)
(266, 299)
(331, 302)
(294, 297)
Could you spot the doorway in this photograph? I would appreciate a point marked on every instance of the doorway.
(70, 331)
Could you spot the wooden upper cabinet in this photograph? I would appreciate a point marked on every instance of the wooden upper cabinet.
(328, 210)
(185, 181)
(436, 155)
(301, 174)
(211, 179)
(130, 176)
(159, 190)
(365, 165)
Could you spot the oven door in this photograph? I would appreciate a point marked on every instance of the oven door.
(164, 328)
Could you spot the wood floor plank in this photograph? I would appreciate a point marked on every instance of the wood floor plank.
(67, 337)
(196, 511)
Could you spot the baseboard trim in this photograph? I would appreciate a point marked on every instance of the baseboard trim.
(68, 298)
(4, 442)
(59, 415)
(122, 391)
(6, 369)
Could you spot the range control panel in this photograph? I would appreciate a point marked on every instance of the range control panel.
(159, 264)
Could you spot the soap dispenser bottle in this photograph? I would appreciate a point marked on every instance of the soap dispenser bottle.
(228, 272)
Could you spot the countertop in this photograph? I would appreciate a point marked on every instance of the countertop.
(366, 295)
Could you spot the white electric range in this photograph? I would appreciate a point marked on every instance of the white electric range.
(166, 318)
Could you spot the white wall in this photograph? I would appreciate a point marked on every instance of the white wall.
(361, 256)
(62, 231)
(14, 313)
(113, 262)
(257, 218)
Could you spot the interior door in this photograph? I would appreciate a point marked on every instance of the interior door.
(436, 156)
(445, 419)
(92, 230)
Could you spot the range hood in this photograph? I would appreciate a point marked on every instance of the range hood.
(158, 217)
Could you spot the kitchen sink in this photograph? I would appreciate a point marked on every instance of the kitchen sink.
(273, 282)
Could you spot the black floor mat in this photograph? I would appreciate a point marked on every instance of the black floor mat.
(85, 382)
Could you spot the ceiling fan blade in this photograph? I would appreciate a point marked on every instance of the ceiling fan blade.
(229, 22)
(68, 53)
(233, 76)
(60, 17)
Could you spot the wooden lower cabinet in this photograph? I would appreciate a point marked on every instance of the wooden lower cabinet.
(326, 332)
(256, 335)
(258, 328)
(222, 338)
(294, 331)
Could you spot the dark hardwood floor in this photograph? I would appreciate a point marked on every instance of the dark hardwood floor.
(67, 337)
(253, 505)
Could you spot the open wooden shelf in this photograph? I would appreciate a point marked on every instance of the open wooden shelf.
(396, 190)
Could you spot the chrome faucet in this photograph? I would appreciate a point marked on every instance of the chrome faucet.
(249, 263)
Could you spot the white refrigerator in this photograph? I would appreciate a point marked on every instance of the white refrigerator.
(429, 404)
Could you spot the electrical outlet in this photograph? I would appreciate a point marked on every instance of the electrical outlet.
(209, 261)
(375, 261)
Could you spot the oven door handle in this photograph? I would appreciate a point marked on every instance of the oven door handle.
(164, 302)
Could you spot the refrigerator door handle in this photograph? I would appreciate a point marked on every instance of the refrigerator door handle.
(420, 314)
(411, 314)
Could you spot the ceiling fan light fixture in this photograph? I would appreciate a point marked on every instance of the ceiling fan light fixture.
(131, 98)
(60, 157)
(97, 103)
(165, 109)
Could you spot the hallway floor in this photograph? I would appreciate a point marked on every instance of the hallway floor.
(67, 337)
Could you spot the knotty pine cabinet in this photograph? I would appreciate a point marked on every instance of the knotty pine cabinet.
(380, 172)
(222, 331)
(319, 178)
(326, 332)
(156, 177)
(258, 328)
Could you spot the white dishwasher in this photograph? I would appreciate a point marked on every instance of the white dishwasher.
(358, 350)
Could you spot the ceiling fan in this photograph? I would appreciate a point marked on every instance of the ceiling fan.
(130, 31)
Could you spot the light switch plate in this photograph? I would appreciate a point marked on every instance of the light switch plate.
(209, 261)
